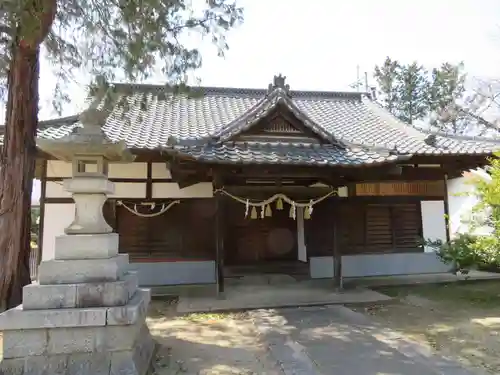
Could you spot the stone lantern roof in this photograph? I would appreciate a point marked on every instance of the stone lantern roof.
(87, 140)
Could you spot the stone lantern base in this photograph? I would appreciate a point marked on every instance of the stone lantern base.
(85, 317)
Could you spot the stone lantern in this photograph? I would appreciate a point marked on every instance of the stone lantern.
(86, 315)
(89, 152)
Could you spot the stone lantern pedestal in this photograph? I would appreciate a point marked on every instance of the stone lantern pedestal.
(86, 315)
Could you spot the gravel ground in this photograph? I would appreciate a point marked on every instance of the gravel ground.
(461, 321)
(207, 344)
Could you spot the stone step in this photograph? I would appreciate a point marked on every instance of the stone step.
(76, 271)
(104, 294)
(86, 246)
(21, 319)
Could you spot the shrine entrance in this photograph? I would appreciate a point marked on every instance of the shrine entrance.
(266, 236)
(259, 240)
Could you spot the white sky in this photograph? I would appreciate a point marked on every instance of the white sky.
(317, 44)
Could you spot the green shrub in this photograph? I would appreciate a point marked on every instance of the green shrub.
(460, 252)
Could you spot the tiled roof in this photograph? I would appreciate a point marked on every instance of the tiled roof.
(287, 153)
(155, 119)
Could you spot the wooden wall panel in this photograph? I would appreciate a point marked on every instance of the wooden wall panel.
(366, 228)
(319, 233)
(378, 228)
(185, 231)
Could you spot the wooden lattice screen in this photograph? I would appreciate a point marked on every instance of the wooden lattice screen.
(416, 188)
(380, 228)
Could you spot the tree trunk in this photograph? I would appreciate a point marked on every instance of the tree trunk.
(18, 154)
(17, 173)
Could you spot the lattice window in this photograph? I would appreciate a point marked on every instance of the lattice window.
(279, 125)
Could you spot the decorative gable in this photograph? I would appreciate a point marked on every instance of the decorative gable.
(276, 118)
(280, 126)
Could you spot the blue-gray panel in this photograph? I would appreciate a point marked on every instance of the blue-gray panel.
(378, 265)
(175, 273)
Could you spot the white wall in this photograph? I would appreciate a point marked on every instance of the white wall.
(172, 190)
(57, 168)
(433, 222)
(167, 190)
(57, 217)
(461, 201)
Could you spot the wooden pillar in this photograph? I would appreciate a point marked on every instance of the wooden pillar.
(446, 208)
(219, 236)
(41, 223)
(149, 181)
(337, 254)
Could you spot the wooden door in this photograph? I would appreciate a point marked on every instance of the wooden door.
(259, 240)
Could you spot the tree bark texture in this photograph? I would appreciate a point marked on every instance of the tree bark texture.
(16, 175)
(18, 154)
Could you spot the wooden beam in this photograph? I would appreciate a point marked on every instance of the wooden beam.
(219, 237)
(120, 179)
(446, 209)
(333, 175)
(41, 223)
(337, 253)
(59, 200)
(149, 180)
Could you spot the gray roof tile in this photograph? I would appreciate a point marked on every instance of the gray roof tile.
(156, 119)
(286, 153)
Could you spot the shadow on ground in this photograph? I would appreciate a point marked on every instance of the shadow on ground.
(308, 340)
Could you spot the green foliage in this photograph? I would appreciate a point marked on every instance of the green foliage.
(458, 252)
(445, 89)
(469, 250)
(35, 217)
(412, 93)
(387, 79)
(120, 39)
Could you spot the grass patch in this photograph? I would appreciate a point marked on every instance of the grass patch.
(482, 293)
(204, 317)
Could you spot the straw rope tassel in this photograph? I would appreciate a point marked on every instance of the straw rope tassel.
(279, 204)
(307, 213)
(253, 215)
(269, 212)
(247, 207)
(293, 210)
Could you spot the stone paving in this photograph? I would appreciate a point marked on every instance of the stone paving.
(321, 340)
(334, 340)
(281, 291)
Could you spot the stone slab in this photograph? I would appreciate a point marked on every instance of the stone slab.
(86, 246)
(23, 343)
(248, 297)
(136, 361)
(89, 185)
(82, 270)
(93, 339)
(38, 297)
(132, 312)
(106, 294)
(114, 293)
(43, 365)
(88, 364)
(17, 318)
(12, 366)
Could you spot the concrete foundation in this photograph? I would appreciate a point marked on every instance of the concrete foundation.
(83, 329)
